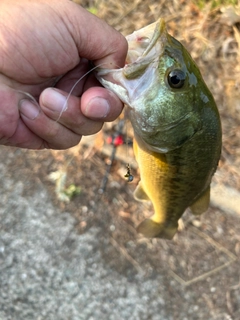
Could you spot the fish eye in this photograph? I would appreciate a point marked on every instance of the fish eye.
(176, 78)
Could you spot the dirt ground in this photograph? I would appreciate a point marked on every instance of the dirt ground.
(199, 268)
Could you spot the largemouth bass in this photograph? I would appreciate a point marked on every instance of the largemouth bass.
(177, 129)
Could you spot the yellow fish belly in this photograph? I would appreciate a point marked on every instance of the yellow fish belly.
(166, 182)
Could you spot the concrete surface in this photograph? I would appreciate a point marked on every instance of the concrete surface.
(49, 271)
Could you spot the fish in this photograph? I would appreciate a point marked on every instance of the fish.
(176, 124)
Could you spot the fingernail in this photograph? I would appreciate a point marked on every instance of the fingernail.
(54, 100)
(97, 108)
(29, 109)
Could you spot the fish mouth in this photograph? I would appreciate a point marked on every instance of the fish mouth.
(142, 43)
(145, 47)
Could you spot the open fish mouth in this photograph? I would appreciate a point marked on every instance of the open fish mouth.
(145, 46)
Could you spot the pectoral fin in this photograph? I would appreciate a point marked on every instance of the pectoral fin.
(152, 229)
(202, 203)
(140, 194)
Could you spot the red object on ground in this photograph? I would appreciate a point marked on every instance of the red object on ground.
(116, 141)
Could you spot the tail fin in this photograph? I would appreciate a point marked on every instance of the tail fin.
(152, 229)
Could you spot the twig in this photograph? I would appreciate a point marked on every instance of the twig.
(215, 270)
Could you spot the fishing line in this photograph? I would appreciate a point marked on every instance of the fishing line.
(65, 106)
(128, 176)
(28, 95)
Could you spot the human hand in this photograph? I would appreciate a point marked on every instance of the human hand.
(50, 43)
